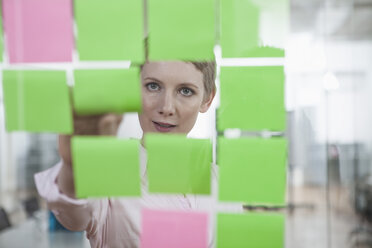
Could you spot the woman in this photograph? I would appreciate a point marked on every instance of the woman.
(173, 94)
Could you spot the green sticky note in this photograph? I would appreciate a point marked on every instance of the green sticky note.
(105, 167)
(247, 26)
(177, 164)
(181, 30)
(110, 30)
(37, 101)
(252, 98)
(103, 91)
(263, 230)
(239, 27)
(252, 170)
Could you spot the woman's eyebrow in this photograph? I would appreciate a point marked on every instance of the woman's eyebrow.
(190, 85)
(152, 78)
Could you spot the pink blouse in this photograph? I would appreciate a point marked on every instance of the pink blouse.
(116, 222)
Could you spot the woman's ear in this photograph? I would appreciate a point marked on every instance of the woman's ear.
(207, 102)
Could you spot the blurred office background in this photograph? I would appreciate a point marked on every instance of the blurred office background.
(329, 87)
(328, 68)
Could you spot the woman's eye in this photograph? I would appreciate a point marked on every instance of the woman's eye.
(152, 86)
(186, 92)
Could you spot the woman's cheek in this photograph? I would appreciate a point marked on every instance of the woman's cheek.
(193, 104)
(187, 107)
(190, 111)
(148, 102)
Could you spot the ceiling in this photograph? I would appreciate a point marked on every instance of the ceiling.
(338, 19)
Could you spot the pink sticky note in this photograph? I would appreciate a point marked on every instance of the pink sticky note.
(38, 30)
(169, 229)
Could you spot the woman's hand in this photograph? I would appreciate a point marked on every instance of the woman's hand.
(106, 124)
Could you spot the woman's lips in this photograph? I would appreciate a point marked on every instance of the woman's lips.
(163, 127)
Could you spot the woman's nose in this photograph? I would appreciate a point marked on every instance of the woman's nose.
(167, 106)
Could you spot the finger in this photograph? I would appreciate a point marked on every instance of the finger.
(64, 148)
(119, 119)
(109, 124)
(86, 125)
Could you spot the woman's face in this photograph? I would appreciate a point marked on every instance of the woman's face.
(172, 96)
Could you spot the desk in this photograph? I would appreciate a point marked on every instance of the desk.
(34, 233)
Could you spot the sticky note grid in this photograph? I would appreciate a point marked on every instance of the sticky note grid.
(251, 170)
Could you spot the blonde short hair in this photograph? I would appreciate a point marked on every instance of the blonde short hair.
(208, 69)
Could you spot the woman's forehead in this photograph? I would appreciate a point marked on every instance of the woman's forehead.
(176, 71)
